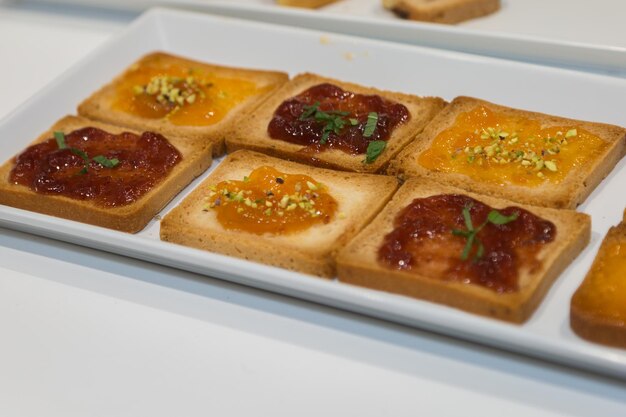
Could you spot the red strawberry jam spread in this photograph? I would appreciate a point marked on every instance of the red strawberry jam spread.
(326, 116)
(270, 201)
(431, 237)
(130, 165)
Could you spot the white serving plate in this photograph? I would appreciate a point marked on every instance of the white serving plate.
(564, 33)
(386, 65)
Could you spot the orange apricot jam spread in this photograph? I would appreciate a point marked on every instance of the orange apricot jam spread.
(499, 148)
(603, 292)
(270, 201)
(184, 95)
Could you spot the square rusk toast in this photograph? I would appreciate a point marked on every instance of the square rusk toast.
(252, 133)
(177, 96)
(311, 250)
(434, 268)
(442, 11)
(597, 308)
(523, 156)
(130, 217)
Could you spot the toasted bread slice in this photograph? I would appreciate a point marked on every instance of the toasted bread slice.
(253, 132)
(309, 4)
(128, 218)
(567, 191)
(311, 250)
(227, 94)
(598, 311)
(358, 262)
(442, 11)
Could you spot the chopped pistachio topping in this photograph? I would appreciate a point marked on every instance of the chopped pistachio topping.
(304, 198)
(169, 90)
(505, 147)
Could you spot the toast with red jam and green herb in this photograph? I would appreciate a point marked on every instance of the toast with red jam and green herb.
(477, 253)
(330, 123)
(100, 174)
(180, 97)
(277, 212)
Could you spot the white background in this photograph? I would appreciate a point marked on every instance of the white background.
(90, 334)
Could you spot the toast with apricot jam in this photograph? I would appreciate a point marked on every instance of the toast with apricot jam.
(329, 123)
(598, 311)
(100, 174)
(276, 212)
(528, 157)
(179, 97)
(477, 253)
(442, 11)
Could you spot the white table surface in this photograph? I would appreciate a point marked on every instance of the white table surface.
(85, 333)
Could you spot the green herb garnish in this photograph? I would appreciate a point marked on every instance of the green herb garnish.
(370, 126)
(100, 159)
(106, 162)
(374, 149)
(333, 120)
(494, 217)
(60, 138)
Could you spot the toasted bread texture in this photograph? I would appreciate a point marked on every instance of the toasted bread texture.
(309, 4)
(442, 11)
(575, 187)
(359, 196)
(358, 262)
(598, 312)
(252, 133)
(224, 82)
(128, 218)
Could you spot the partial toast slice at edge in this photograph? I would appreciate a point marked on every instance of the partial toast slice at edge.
(584, 323)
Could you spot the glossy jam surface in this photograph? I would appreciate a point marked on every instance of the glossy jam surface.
(184, 95)
(288, 123)
(270, 201)
(143, 162)
(422, 242)
(603, 292)
(503, 149)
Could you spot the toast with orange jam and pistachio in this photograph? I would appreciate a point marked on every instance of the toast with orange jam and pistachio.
(330, 123)
(180, 97)
(100, 174)
(477, 253)
(522, 156)
(277, 212)
(598, 310)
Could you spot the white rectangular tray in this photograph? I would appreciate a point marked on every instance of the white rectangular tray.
(565, 33)
(386, 65)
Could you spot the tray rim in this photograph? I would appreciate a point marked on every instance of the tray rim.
(364, 301)
(591, 57)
